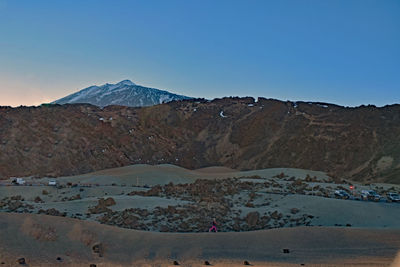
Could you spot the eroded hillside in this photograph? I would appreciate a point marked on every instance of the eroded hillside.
(361, 143)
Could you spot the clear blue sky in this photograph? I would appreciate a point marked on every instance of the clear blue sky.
(345, 52)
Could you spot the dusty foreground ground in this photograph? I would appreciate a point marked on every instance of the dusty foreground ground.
(144, 215)
(41, 239)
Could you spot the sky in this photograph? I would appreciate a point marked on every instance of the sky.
(343, 52)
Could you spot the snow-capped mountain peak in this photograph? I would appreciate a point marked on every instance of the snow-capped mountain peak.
(124, 93)
(126, 82)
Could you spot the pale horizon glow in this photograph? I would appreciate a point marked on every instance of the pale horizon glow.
(344, 52)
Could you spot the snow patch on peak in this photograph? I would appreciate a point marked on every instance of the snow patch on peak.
(126, 82)
(323, 105)
(165, 98)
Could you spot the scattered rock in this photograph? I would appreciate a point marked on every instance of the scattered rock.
(98, 249)
(108, 201)
(276, 216)
(52, 212)
(294, 210)
(21, 261)
(249, 205)
(252, 218)
(18, 197)
(285, 250)
(14, 205)
(298, 183)
(102, 205)
(281, 175)
(38, 200)
(76, 197)
(164, 228)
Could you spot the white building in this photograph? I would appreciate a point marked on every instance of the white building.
(20, 181)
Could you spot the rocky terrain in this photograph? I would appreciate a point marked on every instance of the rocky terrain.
(188, 201)
(360, 143)
(271, 217)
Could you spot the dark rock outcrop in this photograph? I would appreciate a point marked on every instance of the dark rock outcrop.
(252, 218)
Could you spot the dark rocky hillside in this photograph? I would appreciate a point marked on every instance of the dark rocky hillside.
(361, 143)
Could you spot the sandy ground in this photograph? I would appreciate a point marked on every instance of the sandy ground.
(142, 174)
(40, 239)
(331, 211)
(371, 237)
(118, 182)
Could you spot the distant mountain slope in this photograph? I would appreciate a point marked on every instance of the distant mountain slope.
(124, 93)
(361, 143)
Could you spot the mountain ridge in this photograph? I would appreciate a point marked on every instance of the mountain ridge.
(123, 93)
(361, 143)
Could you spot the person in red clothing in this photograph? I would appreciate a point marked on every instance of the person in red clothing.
(214, 226)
